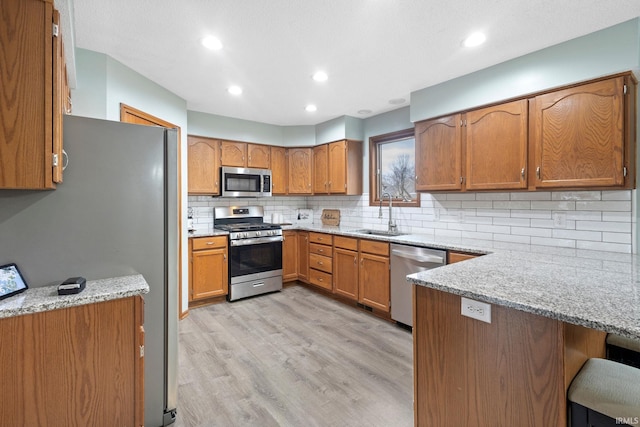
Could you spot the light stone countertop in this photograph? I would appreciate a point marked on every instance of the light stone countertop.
(598, 290)
(35, 300)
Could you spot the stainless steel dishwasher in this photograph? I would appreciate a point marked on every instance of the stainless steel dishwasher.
(406, 260)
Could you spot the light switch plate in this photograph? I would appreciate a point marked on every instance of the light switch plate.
(476, 309)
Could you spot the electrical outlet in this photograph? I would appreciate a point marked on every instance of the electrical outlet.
(476, 309)
(560, 220)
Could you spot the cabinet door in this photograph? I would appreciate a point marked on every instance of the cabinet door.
(338, 167)
(496, 147)
(300, 170)
(258, 156)
(321, 169)
(203, 165)
(345, 273)
(439, 154)
(374, 290)
(289, 255)
(278, 170)
(26, 99)
(303, 256)
(233, 154)
(210, 273)
(59, 100)
(578, 136)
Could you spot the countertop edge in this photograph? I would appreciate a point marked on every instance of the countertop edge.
(46, 298)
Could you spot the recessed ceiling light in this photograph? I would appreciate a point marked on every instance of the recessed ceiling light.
(475, 39)
(397, 101)
(311, 108)
(235, 90)
(320, 76)
(365, 111)
(212, 43)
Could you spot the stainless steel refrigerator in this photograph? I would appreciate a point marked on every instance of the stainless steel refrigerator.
(115, 214)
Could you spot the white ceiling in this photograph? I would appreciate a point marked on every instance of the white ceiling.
(373, 50)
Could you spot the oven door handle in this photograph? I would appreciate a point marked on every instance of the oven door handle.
(256, 241)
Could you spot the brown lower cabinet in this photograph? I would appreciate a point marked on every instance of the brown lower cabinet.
(321, 260)
(374, 281)
(303, 256)
(345, 267)
(514, 371)
(77, 366)
(208, 276)
(289, 255)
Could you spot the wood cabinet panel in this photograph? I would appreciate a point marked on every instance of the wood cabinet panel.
(345, 242)
(289, 255)
(321, 238)
(315, 248)
(203, 165)
(279, 171)
(374, 281)
(453, 257)
(321, 169)
(300, 170)
(321, 279)
(30, 98)
(233, 153)
(60, 97)
(578, 136)
(345, 272)
(439, 154)
(77, 366)
(321, 262)
(258, 156)
(303, 256)
(374, 247)
(508, 372)
(337, 167)
(209, 267)
(496, 147)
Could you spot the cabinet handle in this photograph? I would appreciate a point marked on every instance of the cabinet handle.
(522, 173)
(65, 160)
(320, 279)
(355, 260)
(320, 250)
(538, 172)
(320, 262)
(210, 243)
(224, 256)
(361, 261)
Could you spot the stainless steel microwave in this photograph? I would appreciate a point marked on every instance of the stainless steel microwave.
(245, 182)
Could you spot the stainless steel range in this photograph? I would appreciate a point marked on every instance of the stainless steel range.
(255, 251)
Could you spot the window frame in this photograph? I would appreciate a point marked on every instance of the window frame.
(374, 143)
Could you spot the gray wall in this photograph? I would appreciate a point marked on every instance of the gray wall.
(608, 51)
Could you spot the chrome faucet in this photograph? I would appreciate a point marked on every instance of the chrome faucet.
(393, 227)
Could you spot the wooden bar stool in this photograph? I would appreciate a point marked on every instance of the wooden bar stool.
(624, 350)
(604, 394)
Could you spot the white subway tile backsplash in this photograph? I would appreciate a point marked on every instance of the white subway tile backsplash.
(617, 206)
(594, 220)
(527, 195)
(603, 246)
(576, 195)
(554, 206)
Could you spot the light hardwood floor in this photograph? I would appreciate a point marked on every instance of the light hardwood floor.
(293, 358)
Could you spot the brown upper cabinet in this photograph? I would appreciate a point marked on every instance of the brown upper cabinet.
(245, 155)
(300, 170)
(584, 136)
(203, 165)
(496, 147)
(581, 136)
(33, 96)
(338, 168)
(439, 154)
(279, 183)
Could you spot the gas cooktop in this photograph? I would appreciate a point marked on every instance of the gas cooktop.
(240, 226)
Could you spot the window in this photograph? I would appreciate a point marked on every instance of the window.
(392, 168)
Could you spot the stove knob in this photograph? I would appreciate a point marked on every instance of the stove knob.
(258, 234)
(246, 235)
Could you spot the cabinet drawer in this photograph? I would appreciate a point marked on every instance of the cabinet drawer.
(325, 239)
(209, 242)
(320, 262)
(320, 278)
(316, 248)
(374, 247)
(345, 243)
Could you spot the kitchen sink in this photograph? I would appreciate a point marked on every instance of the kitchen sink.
(380, 232)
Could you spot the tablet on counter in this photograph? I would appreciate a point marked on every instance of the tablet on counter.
(11, 281)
